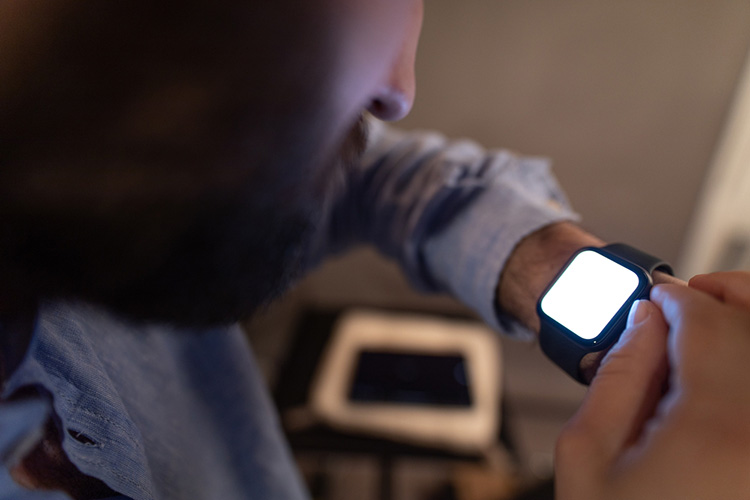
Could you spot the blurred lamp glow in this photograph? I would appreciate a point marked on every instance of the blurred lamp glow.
(589, 293)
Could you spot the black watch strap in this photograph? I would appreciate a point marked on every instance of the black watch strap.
(564, 351)
(640, 258)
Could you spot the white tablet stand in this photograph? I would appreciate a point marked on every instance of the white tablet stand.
(470, 427)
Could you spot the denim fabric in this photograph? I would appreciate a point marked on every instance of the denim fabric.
(158, 413)
(165, 414)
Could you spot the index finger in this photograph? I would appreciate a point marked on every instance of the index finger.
(731, 287)
(708, 338)
(664, 278)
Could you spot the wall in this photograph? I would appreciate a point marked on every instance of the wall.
(720, 235)
(628, 98)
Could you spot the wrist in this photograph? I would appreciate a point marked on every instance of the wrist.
(534, 262)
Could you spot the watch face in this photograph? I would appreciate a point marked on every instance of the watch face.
(592, 294)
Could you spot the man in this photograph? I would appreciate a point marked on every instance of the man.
(169, 168)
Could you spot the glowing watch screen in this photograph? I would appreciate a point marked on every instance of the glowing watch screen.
(591, 290)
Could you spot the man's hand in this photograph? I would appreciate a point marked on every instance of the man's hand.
(633, 440)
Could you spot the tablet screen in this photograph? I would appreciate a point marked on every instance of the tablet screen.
(411, 379)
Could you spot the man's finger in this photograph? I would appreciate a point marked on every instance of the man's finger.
(664, 278)
(730, 287)
(628, 385)
(707, 336)
(678, 303)
(692, 316)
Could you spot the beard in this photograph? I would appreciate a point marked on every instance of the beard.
(178, 175)
(241, 256)
(207, 262)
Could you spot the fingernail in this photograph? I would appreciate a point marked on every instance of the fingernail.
(638, 313)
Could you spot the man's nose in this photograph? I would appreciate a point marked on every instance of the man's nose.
(395, 98)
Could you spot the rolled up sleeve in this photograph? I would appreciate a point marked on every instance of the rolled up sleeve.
(450, 212)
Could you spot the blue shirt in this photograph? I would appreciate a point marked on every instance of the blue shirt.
(160, 413)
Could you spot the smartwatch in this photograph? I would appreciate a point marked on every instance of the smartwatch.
(586, 306)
